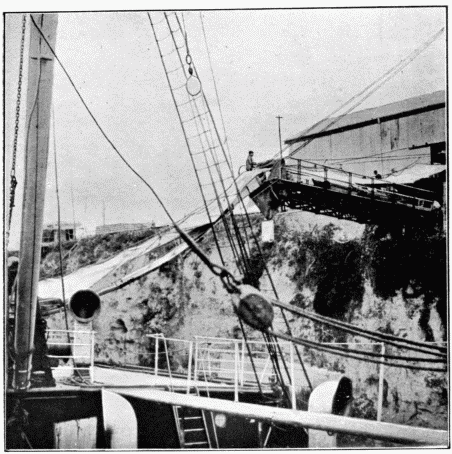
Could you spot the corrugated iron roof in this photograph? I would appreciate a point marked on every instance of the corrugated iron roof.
(354, 119)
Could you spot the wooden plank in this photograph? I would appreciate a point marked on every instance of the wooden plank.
(378, 430)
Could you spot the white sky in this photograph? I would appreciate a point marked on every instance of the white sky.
(298, 63)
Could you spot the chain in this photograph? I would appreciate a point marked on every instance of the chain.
(13, 183)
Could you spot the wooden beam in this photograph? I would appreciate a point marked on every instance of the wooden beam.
(396, 433)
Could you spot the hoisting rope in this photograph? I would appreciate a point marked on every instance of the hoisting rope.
(110, 142)
(362, 356)
(240, 256)
(205, 202)
(216, 89)
(229, 281)
(242, 259)
(374, 86)
(232, 286)
(226, 277)
(389, 339)
(13, 180)
(370, 89)
(60, 246)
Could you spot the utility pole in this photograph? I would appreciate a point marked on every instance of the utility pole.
(280, 145)
(103, 212)
(73, 207)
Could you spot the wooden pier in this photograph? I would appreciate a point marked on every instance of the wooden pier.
(344, 195)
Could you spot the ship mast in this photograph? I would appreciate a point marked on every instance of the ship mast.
(39, 100)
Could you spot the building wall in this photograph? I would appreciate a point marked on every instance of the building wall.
(380, 147)
(50, 233)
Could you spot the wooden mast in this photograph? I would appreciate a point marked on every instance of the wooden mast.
(39, 100)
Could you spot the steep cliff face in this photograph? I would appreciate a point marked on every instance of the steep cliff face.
(392, 282)
(374, 279)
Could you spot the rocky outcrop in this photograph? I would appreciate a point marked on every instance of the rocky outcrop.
(391, 281)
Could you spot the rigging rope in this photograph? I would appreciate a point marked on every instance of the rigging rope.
(364, 157)
(351, 353)
(186, 139)
(228, 280)
(373, 87)
(215, 86)
(60, 246)
(388, 75)
(389, 339)
(245, 256)
(107, 138)
(244, 253)
(57, 193)
(202, 114)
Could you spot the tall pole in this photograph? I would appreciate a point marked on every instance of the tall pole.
(39, 100)
(280, 145)
(73, 209)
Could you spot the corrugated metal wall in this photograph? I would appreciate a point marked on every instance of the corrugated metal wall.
(380, 147)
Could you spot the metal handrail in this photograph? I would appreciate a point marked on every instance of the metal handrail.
(74, 334)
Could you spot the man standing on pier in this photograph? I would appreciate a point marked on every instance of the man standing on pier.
(250, 164)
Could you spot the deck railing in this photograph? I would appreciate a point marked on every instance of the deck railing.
(214, 361)
(75, 348)
(336, 179)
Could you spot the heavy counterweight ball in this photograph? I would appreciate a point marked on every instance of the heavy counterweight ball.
(254, 309)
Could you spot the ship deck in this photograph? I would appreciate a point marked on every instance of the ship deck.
(116, 378)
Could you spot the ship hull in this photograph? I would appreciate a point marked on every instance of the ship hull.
(74, 419)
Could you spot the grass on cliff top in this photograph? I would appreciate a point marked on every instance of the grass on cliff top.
(89, 250)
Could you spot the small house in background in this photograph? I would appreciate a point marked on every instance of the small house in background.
(69, 232)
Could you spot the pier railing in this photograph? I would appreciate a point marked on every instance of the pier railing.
(339, 180)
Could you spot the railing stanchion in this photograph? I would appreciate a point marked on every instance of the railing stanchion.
(265, 368)
(292, 377)
(190, 358)
(381, 383)
(156, 360)
(242, 371)
(195, 374)
(236, 372)
(92, 358)
(209, 367)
